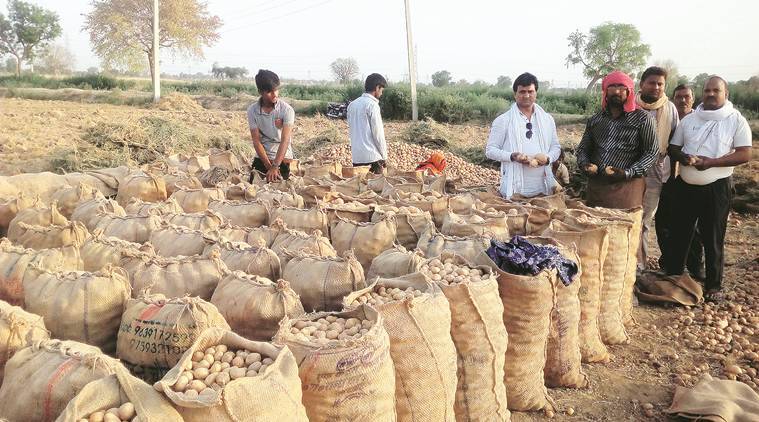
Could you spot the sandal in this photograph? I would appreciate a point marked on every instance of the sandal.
(714, 296)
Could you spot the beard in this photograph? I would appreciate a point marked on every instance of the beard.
(615, 100)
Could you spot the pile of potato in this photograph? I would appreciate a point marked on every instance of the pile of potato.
(382, 295)
(123, 413)
(447, 272)
(347, 205)
(212, 369)
(428, 196)
(330, 329)
(391, 210)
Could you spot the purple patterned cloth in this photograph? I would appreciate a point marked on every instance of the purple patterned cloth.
(518, 256)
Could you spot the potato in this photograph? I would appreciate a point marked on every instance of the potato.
(126, 411)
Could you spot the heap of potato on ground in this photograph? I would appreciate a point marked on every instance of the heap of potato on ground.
(181, 291)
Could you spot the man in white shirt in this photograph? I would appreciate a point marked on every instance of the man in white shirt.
(367, 135)
(708, 143)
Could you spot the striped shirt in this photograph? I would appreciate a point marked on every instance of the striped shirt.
(627, 143)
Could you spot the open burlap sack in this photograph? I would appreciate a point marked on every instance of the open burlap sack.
(471, 248)
(89, 212)
(434, 203)
(78, 305)
(344, 380)
(314, 193)
(517, 216)
(592, 247)
(46, 237)
(251, 235)
(18, 329)
(527, 305)
(69, 198)
(176, 180)
(395, 262)
(322, 282)
(137, 206)
(14, 261)
(132, 228)
(148, 187)
(350, 171)
(322, 170)
(476, 222)
(196, 275)
(40, 380)
(11, 207)
(242, 213)
(410, 223)
(421, 347)
(253, 305)
(306, 220)
(256, 260)
(715, 400)
(99, 251)
(113, 391)
(35, 216)
(197, 200)
(556, 201)
(480, 337)
(169, 240)
(610, 320)
(156, 331)
(242, 191)
(274, 395)
(366, 239)
(354, 211)
(295, 240)
(275, 197)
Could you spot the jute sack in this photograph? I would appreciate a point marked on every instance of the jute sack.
(18, 329)
(527, 305)
(395, 262)
(344, 380)
(240, 191)
(256, 260)
(10, 208)
(197, 200)
(176, 180)
(307, 221)
(156, 331)
(253, 305)
(242, 213)
(90, 212)
(471, 248)
(610, 323)
(191, 164)
(15, 260)
(421, 347)
(205, 221)
(113, 391)
(354, 211)
(272, 196)
(351, 186)
(517, 216)
(592, 247)
(273, 395)
(196, 275)
(552, 202)
(295, 240)
(35, 216)
(410, 223)
(224, 159)
(367, 198)
(132, 228)
(395, 191)
(481, 340)
(171, 241)
(251, 235)
(41, 379)
(136, 206)
(46, 237)
(563, 358)
(350, 171)
(146, 186)
(321, 282)
(493, 225)
(69, 198)
(366, 239)
(78, 305)
(409, 176)
(432, 202)
(99, 251)
(325, 169)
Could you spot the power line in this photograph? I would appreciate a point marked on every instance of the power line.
(239, 17)
(277, 17)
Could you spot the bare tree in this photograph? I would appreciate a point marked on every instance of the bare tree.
(57, 59)
(344, 69)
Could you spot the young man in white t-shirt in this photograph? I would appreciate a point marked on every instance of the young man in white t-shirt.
(708, 143)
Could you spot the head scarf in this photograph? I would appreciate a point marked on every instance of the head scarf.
(436, 163)
(615, 78)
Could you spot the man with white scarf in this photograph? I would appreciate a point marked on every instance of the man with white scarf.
(652, 99)
(708, 143)
(525, 141)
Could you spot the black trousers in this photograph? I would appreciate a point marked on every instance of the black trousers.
(708, 207)
(258, 165)
(663, 222)
(374, 167)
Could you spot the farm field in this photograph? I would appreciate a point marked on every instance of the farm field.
(50, 135)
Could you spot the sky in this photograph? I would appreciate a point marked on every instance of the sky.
(472, 39)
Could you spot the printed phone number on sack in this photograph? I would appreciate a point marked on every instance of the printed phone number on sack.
(156, 334)
(147, 347)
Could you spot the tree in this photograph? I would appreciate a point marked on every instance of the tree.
(504, 82)
(228, 72)
(26, 29)
(57, 59)
(93, 70)
(344, 69)
(608, 47)
(121, 31)
(441, 78)
(10, 65)
(698, 84)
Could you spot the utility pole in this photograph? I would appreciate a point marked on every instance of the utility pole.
(156, 61)
(411, 64)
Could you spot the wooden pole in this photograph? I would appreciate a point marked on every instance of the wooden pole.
(411, 64)
(156, 61)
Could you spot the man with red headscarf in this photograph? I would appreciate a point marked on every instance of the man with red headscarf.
(618, 147)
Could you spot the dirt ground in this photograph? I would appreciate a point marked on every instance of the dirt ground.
(33, 133)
